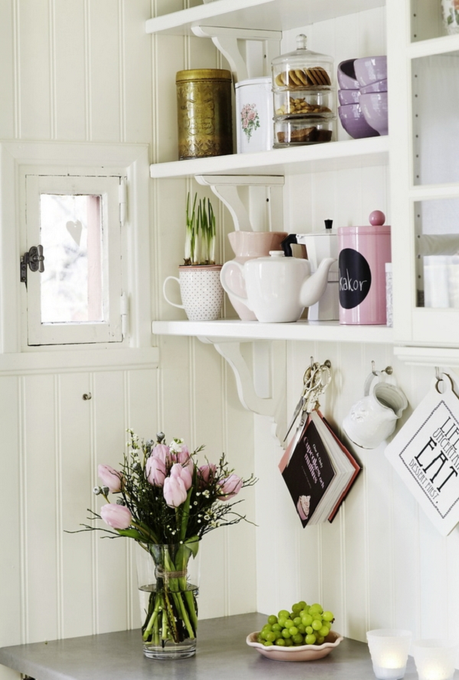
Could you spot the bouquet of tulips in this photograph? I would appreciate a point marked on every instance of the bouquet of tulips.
(166, 502)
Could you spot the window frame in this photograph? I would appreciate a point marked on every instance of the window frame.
(128, 160)
(108, 187)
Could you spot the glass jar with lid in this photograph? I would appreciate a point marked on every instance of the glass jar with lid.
(303, 96)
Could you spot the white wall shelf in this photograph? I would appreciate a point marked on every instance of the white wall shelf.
(325, 331)
(342, 155)
(268, 15)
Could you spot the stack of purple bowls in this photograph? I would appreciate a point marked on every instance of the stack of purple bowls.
(363, 96)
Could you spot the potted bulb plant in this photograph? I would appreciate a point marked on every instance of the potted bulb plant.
(199, 276)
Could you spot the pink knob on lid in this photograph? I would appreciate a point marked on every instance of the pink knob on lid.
(377, 218)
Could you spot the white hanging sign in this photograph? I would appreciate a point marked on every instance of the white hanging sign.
(425, 453)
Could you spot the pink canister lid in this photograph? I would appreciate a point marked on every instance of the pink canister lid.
(376, 226)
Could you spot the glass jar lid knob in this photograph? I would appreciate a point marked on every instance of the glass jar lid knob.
(301, 41)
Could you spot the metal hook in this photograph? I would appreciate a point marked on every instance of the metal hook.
(388, 370)
(438, 374)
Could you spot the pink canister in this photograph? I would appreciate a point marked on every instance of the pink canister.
(363, 254)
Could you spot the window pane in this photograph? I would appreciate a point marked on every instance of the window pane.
(435, 119)
(437, 248)
(71, 236)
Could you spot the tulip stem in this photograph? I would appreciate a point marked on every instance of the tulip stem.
(152, 619)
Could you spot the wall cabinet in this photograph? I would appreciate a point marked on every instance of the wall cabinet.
(414, 36)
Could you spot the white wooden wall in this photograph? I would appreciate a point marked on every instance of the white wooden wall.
(85, 70)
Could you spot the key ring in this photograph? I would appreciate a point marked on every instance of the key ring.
(316, 379)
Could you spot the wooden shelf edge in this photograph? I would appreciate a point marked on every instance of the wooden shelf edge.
(326, 331)
(339, 155)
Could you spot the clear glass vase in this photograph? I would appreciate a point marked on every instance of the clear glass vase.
(168, 579)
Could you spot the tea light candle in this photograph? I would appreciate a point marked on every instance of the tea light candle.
(435, 659)
(389, 652)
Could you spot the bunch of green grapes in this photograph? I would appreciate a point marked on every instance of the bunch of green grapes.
(303, 625)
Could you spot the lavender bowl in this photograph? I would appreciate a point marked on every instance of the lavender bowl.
(348, 96)
(346, 75)
(374, 109)
(353, 121)
(377, 86)
(370, 69)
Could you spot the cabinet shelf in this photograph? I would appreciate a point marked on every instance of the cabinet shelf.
(268, 15)
(325, 331)
(343, 155)
(445, 44)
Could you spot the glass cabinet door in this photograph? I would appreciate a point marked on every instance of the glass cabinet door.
(424, 131)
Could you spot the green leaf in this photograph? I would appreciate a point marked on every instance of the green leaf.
(193, 545)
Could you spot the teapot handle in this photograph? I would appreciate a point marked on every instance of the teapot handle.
(226, 284)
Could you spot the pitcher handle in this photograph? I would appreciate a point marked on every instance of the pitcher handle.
(174, 278)
(373, 378)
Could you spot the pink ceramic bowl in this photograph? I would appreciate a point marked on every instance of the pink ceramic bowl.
(348, 97)
(370, 69)
(346, 75)
(377, 86)
(374, 109)
(301, 653)
(353, 121)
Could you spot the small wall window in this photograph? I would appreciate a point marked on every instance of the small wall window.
(78, 296)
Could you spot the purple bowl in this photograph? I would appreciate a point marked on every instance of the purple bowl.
(377, 86)
(346, 75)
(353, 121)
(370, 69)
(348, 96)
(374, 109)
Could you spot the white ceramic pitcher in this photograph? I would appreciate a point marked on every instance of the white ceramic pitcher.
(372, 419)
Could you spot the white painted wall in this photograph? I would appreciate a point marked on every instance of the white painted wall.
(85, 71)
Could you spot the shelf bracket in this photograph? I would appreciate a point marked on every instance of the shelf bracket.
(257, 383)
(226, 41)
(225, 187)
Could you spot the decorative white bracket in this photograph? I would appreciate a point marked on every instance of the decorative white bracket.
(256, 384)
(226, 41)
(225, 187)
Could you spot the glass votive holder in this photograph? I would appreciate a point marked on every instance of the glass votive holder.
(435, 659)
(389, 649)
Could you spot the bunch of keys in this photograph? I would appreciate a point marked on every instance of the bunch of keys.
(316, 379)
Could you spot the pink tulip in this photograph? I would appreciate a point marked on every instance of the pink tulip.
(183, 456)
(155, 471)
(116, 516)
(206, 474)
(184, 473)
(230, 487)
(179, 451)
(174, 491)
(162, 452)
(110, 477)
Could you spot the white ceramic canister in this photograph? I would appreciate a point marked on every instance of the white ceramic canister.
(254, 115)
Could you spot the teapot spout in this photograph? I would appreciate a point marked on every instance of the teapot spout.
(314, 286)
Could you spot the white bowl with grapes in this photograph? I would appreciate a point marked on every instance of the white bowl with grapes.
(302, 634)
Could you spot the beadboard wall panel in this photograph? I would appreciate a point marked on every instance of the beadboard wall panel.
(7, 74)
(34, 69)
(70, 55)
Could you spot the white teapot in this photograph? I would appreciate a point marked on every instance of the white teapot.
(278, 287)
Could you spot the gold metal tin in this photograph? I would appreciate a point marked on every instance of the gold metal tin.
(204, 109)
